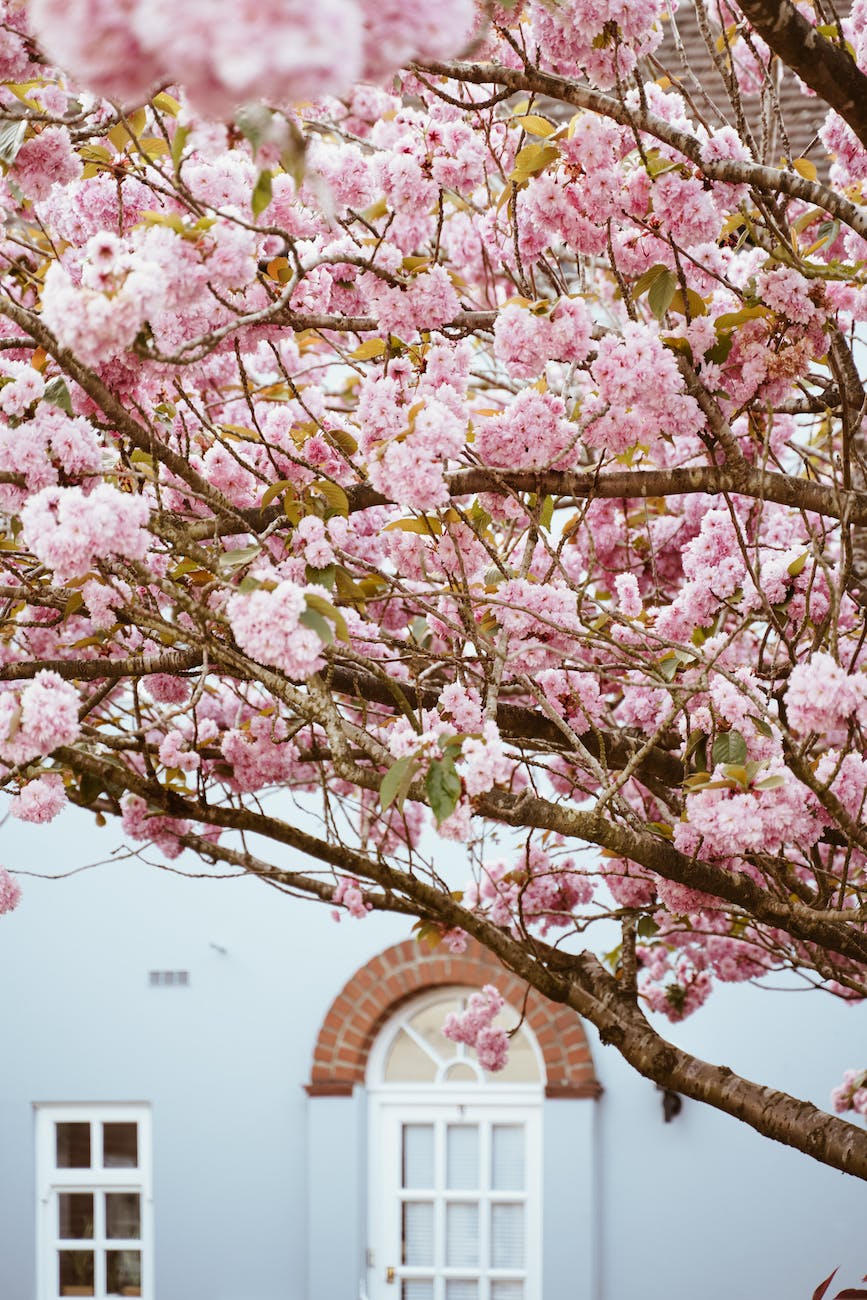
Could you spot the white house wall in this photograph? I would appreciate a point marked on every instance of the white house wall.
(248, 1169)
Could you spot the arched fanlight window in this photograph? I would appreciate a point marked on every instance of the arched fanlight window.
(416, 1051)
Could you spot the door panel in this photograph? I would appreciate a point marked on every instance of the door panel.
(454, 1201)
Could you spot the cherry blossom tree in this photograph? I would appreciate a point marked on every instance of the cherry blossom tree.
(431, 423)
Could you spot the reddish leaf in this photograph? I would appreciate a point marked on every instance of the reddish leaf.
(823, 1286)
(851, 1293)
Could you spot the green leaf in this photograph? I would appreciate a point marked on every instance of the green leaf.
(254, 122)
(762, 727)
(546, 513)
(424, 525)
(57, 394)
(719, 353)
(261, 193)
(179, 139)
(443, 787)
(321, 577)
(166, 104)
(369, 349)
(535, 125)
(11, 139)
(235, 559)
(770, 783)
(731, 319)
(335, 498)
(325, 609)
(396, 782)
(646, 279)
(661, 293)
(275, 490)
(313, 620)
(532, 159)
(797, 566)
(647, 927)
(729, 747)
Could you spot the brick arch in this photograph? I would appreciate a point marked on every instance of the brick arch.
(399, 973)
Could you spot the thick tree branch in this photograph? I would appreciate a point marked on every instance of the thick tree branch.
(824, 66)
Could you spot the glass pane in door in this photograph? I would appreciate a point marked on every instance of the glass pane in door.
(462, 1157)
(507, 1236)
(418, 1156)
(462, 1235)
(458, 1289)
(418, 1234)
(507, 1157)
(416, 1290)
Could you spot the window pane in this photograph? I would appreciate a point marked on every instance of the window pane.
(123, 1272)
(122, 1214)
(416, 1290)
(507, 1291)
(507, 1158)
(119, 1146)
(418, 1156)
(409, 1063)
(522, 1066)
(74, 1215)
(461, 1072)
(507, 1236)
(460, 1290)
(429, 1024)
(418, 1230)
(462, 1157)
(73, 1146)
(462, 1235)
(76, 1272)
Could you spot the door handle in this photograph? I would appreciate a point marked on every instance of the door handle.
(389, 1274)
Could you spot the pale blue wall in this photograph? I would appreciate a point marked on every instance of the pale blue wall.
(246, 1166)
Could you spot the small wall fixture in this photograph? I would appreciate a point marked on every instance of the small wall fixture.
(165, 979)
(672, 1103)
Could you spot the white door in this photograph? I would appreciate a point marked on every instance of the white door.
(454, 1199)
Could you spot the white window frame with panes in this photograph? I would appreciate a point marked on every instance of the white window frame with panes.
(84, 1207)
(454, 1164)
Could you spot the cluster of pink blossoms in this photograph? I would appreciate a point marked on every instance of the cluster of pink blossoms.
(474, 1026)
(268, 626)
(44, 447)
(535, 889)
(601, 38)
(851, 1094)
(532, 433)
(40, 800)
(347, 894)
(69, 529)
(525, 340)
(639, 393)
(277, 50)
(822, 697)
(10, 892)
(37, 718)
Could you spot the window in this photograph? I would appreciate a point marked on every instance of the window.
(93, 1169)
(455, 1163)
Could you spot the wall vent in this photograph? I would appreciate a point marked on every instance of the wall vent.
(164, 979)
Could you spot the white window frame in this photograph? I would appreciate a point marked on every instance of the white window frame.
(51, 1181)
(390, 1105)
